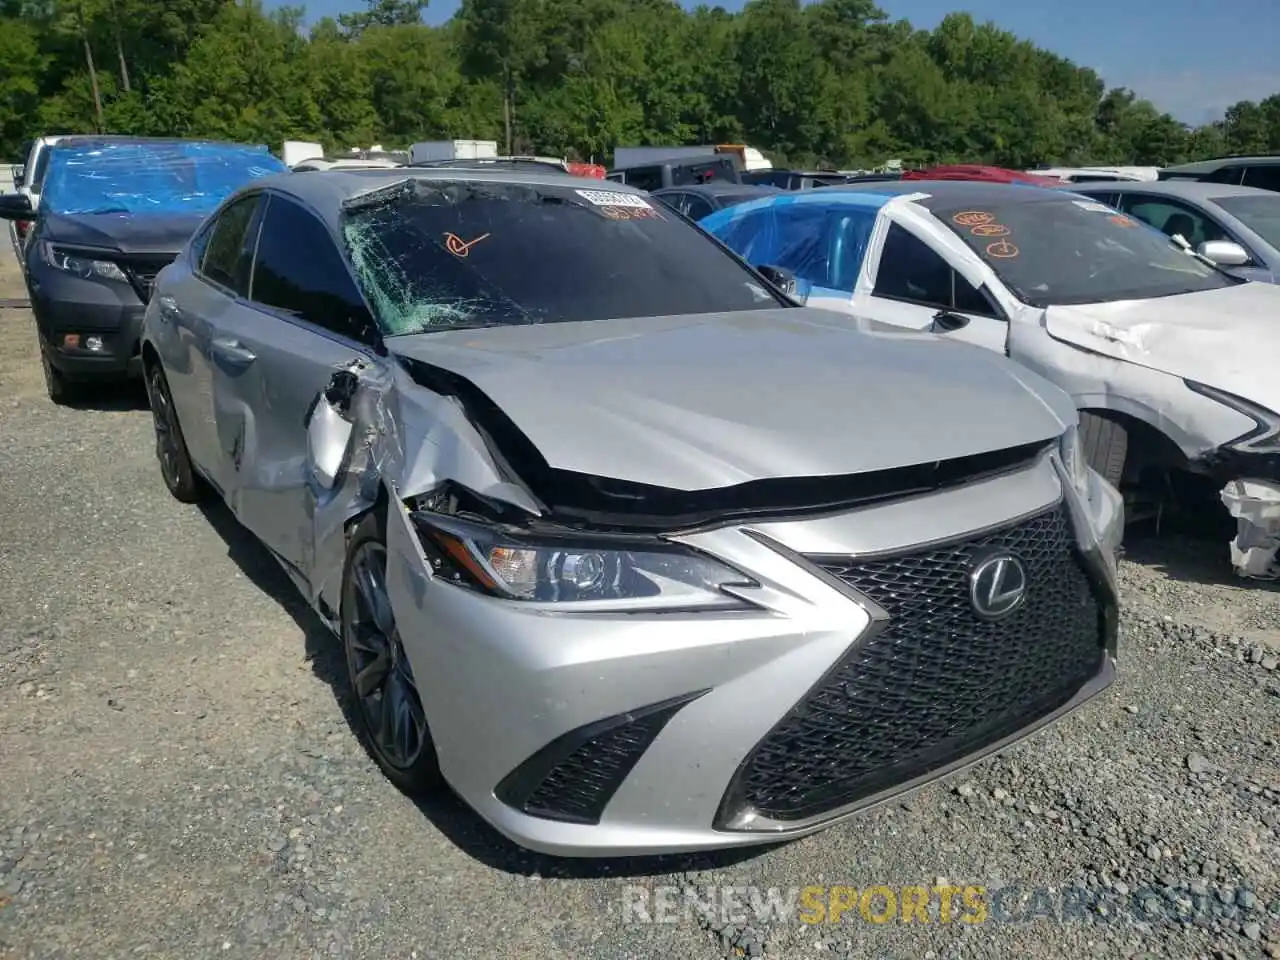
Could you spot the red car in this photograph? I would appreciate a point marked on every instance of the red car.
(973, 171)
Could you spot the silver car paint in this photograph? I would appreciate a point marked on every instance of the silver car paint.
(499, 679)
(638, 399)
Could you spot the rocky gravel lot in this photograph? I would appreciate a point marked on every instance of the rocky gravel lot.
(177, 778)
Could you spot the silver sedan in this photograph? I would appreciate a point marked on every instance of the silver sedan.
(623, 545)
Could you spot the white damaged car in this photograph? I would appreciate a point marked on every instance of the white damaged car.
(1171, 361)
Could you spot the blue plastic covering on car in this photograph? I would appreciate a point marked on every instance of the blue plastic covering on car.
(820, 236)
(150, 177)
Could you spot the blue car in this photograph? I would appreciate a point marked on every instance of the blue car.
(113, 213)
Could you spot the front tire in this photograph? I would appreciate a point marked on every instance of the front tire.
(60, 390)
(387, 706)
(171, 447)
(1106, 446)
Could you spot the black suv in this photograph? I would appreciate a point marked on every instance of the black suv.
(1261, 172)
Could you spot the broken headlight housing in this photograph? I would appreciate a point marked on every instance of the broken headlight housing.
(1264, 438)
(582, 572)
(1073, 461)
(82, 266)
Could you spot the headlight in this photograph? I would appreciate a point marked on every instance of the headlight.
(1265, 435)
(83, 267)
(603, 576)
(1073, 461)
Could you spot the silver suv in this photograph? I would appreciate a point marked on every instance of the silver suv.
(622, 545)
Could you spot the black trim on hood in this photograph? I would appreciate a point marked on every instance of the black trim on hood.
(583, 500)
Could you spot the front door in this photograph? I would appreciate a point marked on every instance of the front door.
(912, 285)
(273, 357)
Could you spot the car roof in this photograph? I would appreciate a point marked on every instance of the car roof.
(1178, 189)
(326, 190)
(1216, 164)
(945, 193)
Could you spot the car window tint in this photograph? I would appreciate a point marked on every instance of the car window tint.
(300, 271)
(646, 178)
(228, 253)
(969, 299)
(1263, 177)
(696, 207)
(910, 270)
(673, 200)
(1229, 174)
(1171, 217)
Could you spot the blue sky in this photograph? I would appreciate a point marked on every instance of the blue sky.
(1190, 57)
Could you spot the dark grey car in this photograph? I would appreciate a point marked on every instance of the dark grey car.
(701, 200)
(1236, 227)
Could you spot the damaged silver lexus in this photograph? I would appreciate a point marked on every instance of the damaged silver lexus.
(625, 547)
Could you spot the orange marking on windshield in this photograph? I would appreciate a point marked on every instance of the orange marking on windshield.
(630, 213)
(990, 230)
(459, 247)
(1120, 220)
(973, 218)
(1002, 250)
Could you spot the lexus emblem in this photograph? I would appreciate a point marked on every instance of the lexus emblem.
(997, 586)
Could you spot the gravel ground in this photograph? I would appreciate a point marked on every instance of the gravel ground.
(177, 777)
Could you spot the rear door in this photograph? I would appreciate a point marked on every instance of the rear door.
(190, 310)
(305, 318)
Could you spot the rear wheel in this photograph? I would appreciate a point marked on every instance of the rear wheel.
(388, 707)
(1106, 446)
(171, 447)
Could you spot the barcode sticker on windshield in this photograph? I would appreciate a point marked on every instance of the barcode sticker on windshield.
(1093, 205)
(607, 198)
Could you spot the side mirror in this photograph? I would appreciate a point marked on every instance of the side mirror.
(1224, 253)
(944, 321)
(15, 206)
(19, 172)
(780, 277)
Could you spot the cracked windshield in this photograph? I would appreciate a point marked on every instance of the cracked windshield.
(473, 255)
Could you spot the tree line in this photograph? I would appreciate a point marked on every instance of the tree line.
(832, 83)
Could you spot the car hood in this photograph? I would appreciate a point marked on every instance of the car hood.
(708, 401)
(1227, 338)
(129, 233)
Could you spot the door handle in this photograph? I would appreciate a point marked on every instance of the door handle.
(234, 350)
(947, 321)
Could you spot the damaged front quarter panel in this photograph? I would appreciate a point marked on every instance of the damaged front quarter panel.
(1256, 506)
(372, 434)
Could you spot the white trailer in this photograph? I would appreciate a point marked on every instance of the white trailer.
(431, 150)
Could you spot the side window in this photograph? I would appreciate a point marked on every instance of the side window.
(646, 178)
(696, 207)
(969, 299)
(1228, 174)
(299, 270)
(1172, 217)
(673, 200)
(1263, 177)
(910, 270)
(228, 250)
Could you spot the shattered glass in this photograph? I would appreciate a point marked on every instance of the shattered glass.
(440, 255)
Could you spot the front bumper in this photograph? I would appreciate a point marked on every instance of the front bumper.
(108, 310)
(607, 735)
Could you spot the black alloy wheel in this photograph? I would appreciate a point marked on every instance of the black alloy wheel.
(388, 705)
(171, 447)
